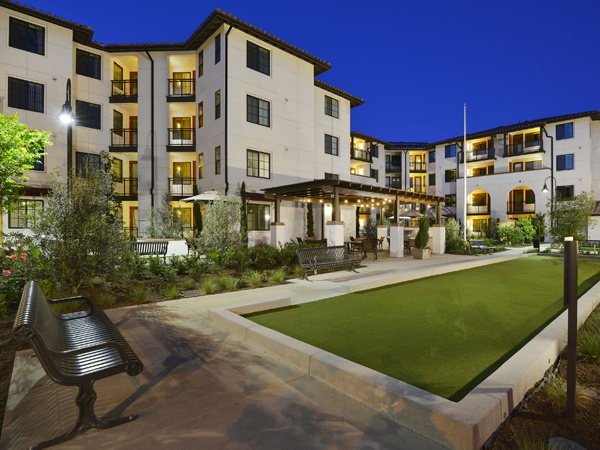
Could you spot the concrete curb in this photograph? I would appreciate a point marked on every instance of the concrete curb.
(463, 425)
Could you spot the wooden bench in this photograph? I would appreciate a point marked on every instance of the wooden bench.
(315, 258)
(75, 349)
(479, 244)
(148, 248)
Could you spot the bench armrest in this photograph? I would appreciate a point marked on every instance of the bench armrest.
(82, 350)
(353, 254)
(90, 311)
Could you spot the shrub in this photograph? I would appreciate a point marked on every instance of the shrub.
(66, 307)
(422, 239)
(588, 345)
(221, 224)
(18, 261)
(527, 440)
(165, 223)
(299, 271)
(556, 394)
(371, 227)
(255, 279)
(172, 292)
(157, 267)
(196, 267)
(178, 264)
(188, 284)
(209, 285)
(452, 229)
(278, 275)
(526, 229)
(3, 308)
(106, 299)
(227, 283)
(139, 295)
(457, 246)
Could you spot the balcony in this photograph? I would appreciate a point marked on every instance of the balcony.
(182, 140)
(123, 140)
(181, 90)
(478, 210)
(181, 187)
(124, 91)
(392, 168)
(523, 148)
(481, 155)
(361, 154)
(520, 207)
(125, 188)
(418, 167)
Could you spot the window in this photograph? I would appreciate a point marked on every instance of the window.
(201, 166)
(531, 165)
(331, 145)
(88, 114)
(517, 167)
(259, 217)
(432, 179)
(331, 176)
(200, 114)
(450, 150)
(118, 122)
(258, 111)
(86, 163)
(387, 182)
(564, 162)
(375, 174)
(26, 36)
(479, 171)
(218, 104)
(258, 58)
(117, 72)
(451, 200)
(39, 164)
(480, 148)
(117, 167)
(25, 95)
(218, 160)
(258, 164)
(564, 131)
(374, 151)
(200, 63)
(88, 64)
(395, 182)
(331, 107)
(185, 215)
(217, 48)
(532, 139)
(565, 192)
(450, 175)
(18, 218)
(432, 156)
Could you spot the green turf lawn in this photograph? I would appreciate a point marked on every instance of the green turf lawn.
(444, 334)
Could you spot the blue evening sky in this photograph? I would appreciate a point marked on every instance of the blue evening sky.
(414, 63)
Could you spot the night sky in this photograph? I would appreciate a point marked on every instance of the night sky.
(414, 63)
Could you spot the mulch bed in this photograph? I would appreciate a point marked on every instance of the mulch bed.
(538, 418)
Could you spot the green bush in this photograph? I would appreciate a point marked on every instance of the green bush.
(556, 394)
(106, 299)
(209, 285)
(157, 267)
(178, 263)
(588, 345)
(422, 239)
(172, 292)
(3, 308)
(278, 275)
(188, 284)
(457, 246)
(255, 278)
(527, 230)
(227, 283)
(139, 295)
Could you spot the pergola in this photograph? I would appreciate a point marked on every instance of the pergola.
(349, 193)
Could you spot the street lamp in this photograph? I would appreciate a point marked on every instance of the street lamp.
(67, 117)
(545, 191)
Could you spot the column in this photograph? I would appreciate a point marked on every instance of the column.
(335, 233)
(277, 234)
(382, 233)
(438, 234)
(396, 240)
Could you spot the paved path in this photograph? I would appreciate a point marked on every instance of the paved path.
(203, 388)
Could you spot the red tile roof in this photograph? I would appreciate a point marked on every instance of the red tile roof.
(354, 100)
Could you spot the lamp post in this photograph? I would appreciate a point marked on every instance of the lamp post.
(545, 191)
(66, 116)
(552, 179)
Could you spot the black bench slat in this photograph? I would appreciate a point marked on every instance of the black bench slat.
(315, 258)
(479, 244)
(75, 349)
(148, 248)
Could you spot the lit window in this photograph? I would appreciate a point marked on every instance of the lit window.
(259, 217)
(200, 114)
(19, 217)
(200, 63)
(258, 164)
(201, 166)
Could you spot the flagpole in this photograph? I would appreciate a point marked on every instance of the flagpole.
(465, 175)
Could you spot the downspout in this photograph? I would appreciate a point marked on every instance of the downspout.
(151, 130)
(226, 108)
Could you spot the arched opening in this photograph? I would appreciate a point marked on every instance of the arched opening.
(520, 203)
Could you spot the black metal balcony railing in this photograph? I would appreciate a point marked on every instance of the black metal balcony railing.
(520, 206)
(362, 154)
(418, 166)
(125, 187)
(181, 187)
(390, 167)
(123, 137)
(124, 88)
(181, 87)
(522, 148)
(182, 136)
(131, 231)
(478, 209)
(480, 155)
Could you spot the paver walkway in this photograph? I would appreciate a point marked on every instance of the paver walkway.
(203, 388)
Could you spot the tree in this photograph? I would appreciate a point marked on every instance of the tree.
(222, 224)
(197, 214)
(80, 229)
(20, 148)
(422, 239)
(243, 215)
(164, 222)
(310, 221)
(571, 217)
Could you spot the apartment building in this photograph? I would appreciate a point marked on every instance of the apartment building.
(507, 167)
(231, 104)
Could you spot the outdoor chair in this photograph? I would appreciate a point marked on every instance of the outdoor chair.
(369, 245)
(299, 240)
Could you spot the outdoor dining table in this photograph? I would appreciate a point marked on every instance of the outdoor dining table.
(354, 246)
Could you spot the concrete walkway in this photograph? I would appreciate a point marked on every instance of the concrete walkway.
(204, 388)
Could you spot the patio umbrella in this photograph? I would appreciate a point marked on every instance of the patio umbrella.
(413, 214)
(207, 196)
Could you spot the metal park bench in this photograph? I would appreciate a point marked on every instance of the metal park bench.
(315, 258)
(147, 248)
(75, 349)
(475, 244)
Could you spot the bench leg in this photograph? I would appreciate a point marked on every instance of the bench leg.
(352, 268)
(305, 277)
(87, 417)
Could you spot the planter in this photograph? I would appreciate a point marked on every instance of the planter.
(420, 253)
